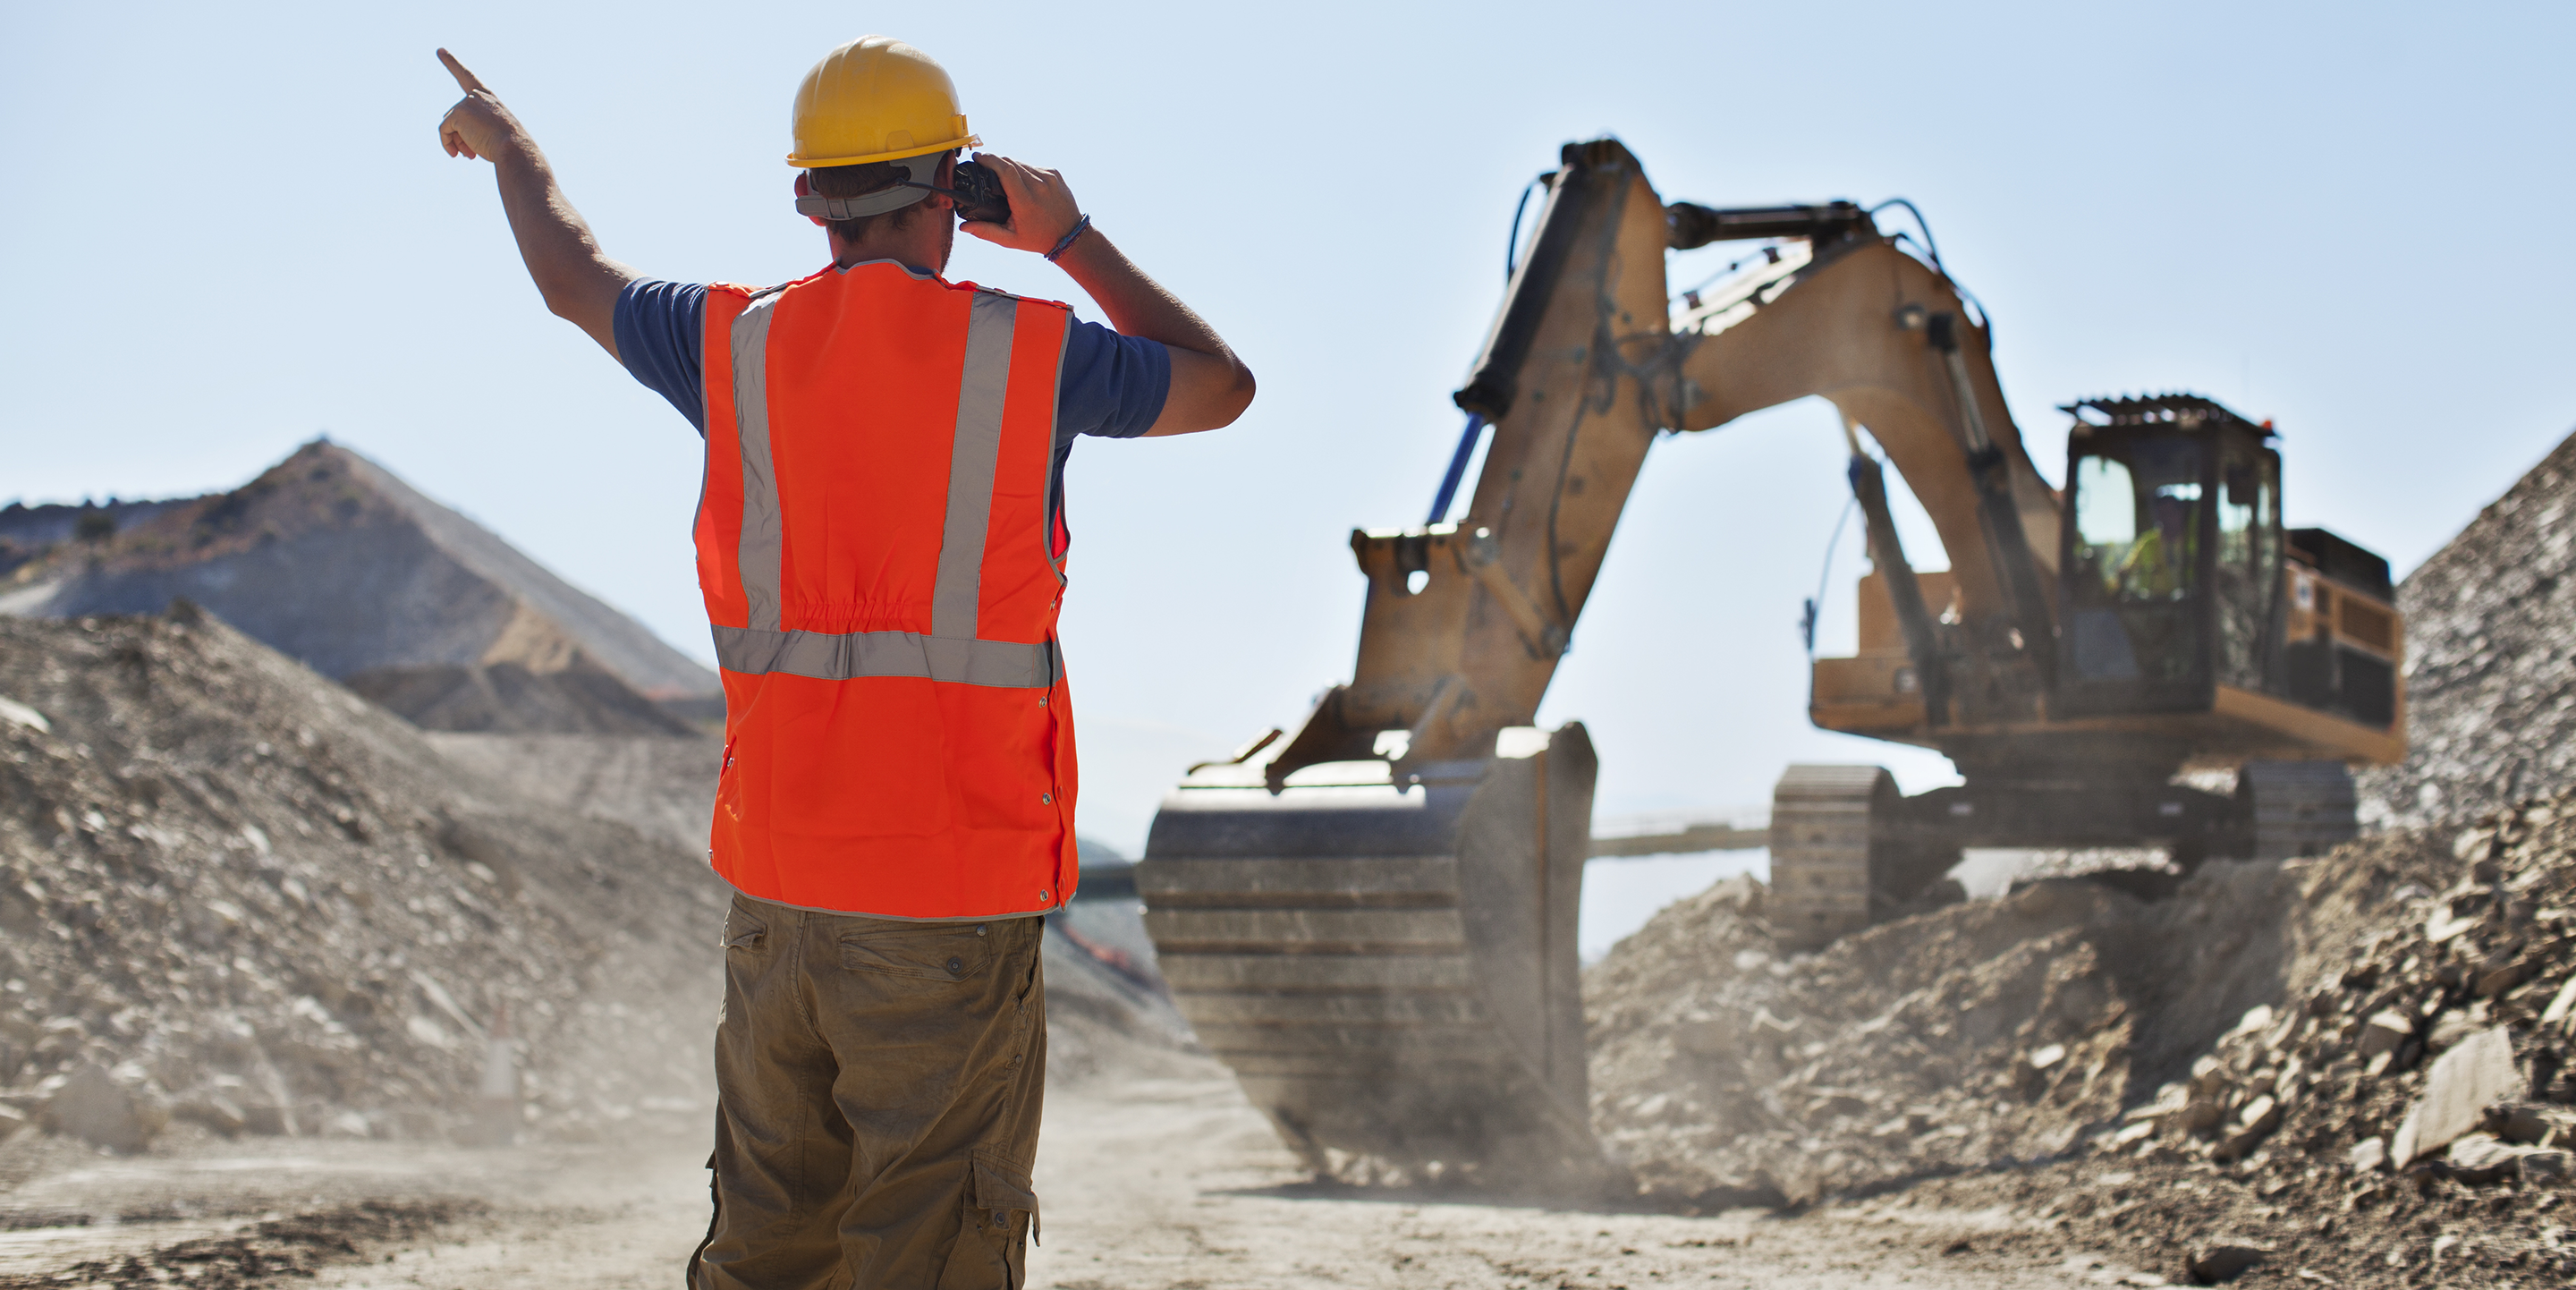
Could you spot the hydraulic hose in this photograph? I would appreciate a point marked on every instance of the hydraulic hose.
(1457, 467)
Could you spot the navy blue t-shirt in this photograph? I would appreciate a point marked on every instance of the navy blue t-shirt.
(1110, 385)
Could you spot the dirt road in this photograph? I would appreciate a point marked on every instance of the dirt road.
(1162, 1184)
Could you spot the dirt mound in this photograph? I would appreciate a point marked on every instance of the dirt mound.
(236, 894)
(335, 561)
(2491, 659)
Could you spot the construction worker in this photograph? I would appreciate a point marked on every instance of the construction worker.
(881, 544)
(2159, 564)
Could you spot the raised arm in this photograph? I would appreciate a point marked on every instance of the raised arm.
(1210, 386)
(579, 283)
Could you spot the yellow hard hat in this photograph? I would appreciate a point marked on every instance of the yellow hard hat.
(876, 99)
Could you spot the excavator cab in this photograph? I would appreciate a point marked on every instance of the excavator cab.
(2170, 572)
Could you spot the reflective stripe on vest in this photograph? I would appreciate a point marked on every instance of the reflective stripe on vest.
(949, 652)
(866, 523)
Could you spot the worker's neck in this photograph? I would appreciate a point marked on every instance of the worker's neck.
(922, 245)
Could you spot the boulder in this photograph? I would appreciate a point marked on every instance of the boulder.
(2218, 1263)
(2384, 1032)
(2457, 1092)
(2479, 1159)
(2254, 1122)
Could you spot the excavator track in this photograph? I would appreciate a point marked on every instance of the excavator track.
(1390, 970)
(1821, 837)
(2298, 808)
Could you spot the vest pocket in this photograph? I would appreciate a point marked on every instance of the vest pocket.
(728, 787)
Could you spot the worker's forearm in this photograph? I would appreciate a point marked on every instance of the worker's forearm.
(1136, 304)
(1210, 387)
(578, 281)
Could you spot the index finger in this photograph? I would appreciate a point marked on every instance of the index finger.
(465, 80)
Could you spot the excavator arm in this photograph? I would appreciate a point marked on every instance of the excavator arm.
(1464, 623)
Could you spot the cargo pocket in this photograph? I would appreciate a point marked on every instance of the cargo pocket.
(1001, 1218)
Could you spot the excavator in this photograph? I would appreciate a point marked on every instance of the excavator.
(1371, 920)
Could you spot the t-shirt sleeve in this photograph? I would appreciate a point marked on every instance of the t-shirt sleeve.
(1110, 385)
(659, 326)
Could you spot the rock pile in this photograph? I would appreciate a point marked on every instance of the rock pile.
(2447, 1028)
(235, 895)
(2406, 1110)
(2355, 1065)
(2491, 646)
(1726, 1069)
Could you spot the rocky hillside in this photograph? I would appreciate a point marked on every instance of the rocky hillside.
(333, 560)
(235, 894)
(2491, 660)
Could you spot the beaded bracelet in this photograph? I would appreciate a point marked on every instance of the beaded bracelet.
(1067, 243)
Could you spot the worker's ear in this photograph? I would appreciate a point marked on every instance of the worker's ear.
(804, 189)
(944, 177)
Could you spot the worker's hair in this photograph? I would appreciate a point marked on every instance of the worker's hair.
(858, 181)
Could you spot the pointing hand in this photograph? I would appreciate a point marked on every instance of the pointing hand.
(478, 126)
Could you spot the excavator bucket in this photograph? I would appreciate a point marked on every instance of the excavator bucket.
(1389, 966)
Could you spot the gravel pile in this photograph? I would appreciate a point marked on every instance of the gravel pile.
(235, 895)
(2491, 660)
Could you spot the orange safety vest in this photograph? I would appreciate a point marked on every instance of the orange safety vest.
(882, 567)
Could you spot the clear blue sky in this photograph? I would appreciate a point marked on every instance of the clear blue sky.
(230, 228)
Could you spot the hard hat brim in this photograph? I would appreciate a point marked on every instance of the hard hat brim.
(815, 163)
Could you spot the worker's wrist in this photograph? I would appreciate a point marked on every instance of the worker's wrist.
(1083, 256)
(1066, 243)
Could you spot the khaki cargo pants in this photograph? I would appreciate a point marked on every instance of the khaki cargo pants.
(878, 1088)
